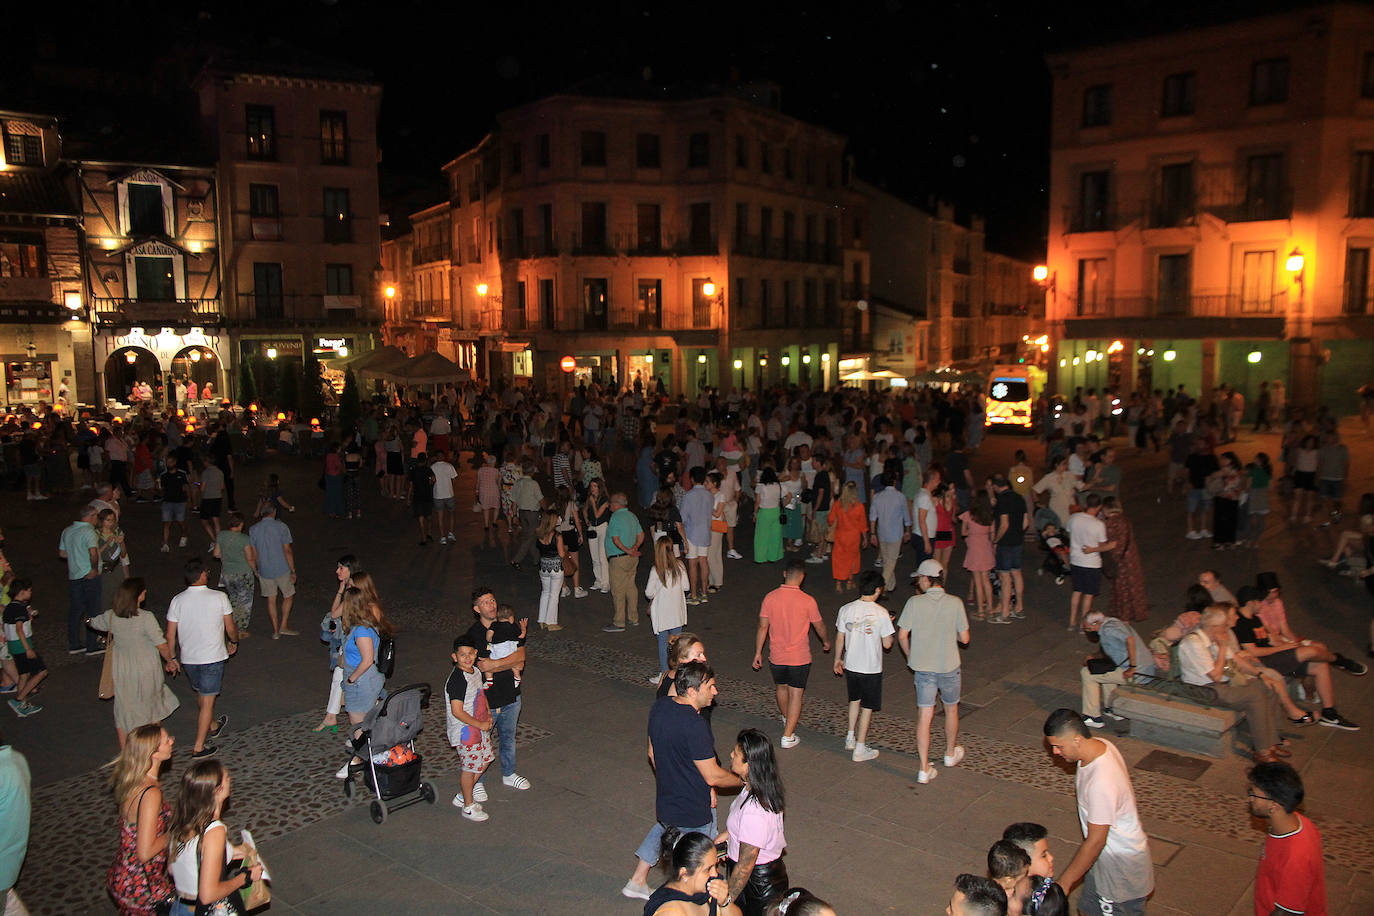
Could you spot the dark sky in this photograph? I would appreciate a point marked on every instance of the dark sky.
(943, 100)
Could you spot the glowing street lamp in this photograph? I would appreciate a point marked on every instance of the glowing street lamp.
(390, 292)
(1295, 262)
(481, 289)
(708, 288)
(1041, 273)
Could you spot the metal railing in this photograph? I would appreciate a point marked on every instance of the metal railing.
(425, 254)
(286, 309)
(431, 308)
(1189, 304)
(1252, 208)
(119, 310)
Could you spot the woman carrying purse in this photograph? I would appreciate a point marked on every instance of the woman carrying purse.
(205, 885)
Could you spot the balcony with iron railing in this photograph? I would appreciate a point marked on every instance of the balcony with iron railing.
(1188, 304)
(754, 246)
(1277, 204)
(1088, 219)
(284, 310)
(431, 309)
(426, 254)
(122, 310)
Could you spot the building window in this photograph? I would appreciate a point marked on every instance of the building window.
(740, 306)
(596, 303)
(334, 137)
(338, 279)
(787, 167)
(1097, 106)
(541, 151)
(648, 228)
(22, 256)
(649, 304)
(594, 148)
(145, 210)
(765, 158)
(809, 168)
(700, 228)
(1092, 285)
(1257, 281)
(23, 147)
(1094, 202)
(546, 228)
(1174, 287)
(1269, 81)
(831, 291)
(699, 150)
(1175, 204)
(517, 159)
(765, 231)
(516, 315)
(810, 302)
(1362, 186)
(647, 151)
(741, 152)
(1180, 95)
(547, 313)
(263, 201)
(260, 125)
(1367, 76)
(1356, 300)
(741, 228)
(765, 303)
(153, 276)
(1265, 194)
(338, 223)
(701, 304)
(267, 296)
(593, 228)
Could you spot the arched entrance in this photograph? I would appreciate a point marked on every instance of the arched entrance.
(197, 364)
(130, 365)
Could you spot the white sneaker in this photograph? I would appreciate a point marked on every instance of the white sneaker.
(1192, 535)
(444, 539)
(862, 753)
(952, 760)
(452, 538)
(181, 543)
(579, 592)
(515, 781)
(165, 549)
(474, 812)
(927, 776)
(790, 741)
(735, 555)
(479, 792)
(605, 589)
(639, 891)
(849, 743)
(565, 592)
(1204, 533)
(343, 773)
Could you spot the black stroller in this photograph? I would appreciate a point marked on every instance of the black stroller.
(390, 766)
(1055, 544)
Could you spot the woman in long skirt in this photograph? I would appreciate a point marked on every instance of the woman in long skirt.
(848, 531)
(767, 527)
(1128, 588)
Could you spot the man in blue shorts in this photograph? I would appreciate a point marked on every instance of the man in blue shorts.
(1009, 535)
(201, 622)
(1087, 542)
(930, 631)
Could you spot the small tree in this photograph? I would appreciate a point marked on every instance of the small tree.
(248, 386)
(350, 405)
(311, 398)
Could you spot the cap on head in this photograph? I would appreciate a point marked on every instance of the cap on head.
(930, 569)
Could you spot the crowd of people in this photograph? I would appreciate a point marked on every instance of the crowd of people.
(823, 477)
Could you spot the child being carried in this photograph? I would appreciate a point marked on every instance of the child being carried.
(504, 637)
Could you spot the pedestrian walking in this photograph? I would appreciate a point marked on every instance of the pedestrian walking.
(201, 623)
(272, 560)
(139, 653)
(932, 627)
(80, 547)
(786, 619)
(863, 630)
(624, 537)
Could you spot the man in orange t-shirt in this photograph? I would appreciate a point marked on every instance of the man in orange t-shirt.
(785, 621)
(1291, 876)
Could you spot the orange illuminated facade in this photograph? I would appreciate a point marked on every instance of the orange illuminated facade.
(1212, 208)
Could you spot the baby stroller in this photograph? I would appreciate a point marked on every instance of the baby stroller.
(1055, 544)
(390, 766)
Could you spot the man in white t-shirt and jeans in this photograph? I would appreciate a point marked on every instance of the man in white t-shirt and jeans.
(444, 473)
(201, 622)
(1087, 542)
(924, 521)
(1114, 859)
(863, 630)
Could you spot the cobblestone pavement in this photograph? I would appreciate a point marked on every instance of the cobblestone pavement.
(1014, 675)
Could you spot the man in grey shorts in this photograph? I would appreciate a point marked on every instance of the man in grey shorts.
(269, 553)
(939, 625)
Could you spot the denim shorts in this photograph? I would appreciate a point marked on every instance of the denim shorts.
(1198, 500)
(1008, 557)
(174, 512)
(1091, 903)
(929, 682)
(206, 680)
(649, 850)
(1330, 489)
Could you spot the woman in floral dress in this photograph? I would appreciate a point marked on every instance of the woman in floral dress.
(137, 879)
(1128, 588)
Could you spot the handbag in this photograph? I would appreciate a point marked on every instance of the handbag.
(107, 671)
(1100, 665)
(719, 526)
(228, 905)
(386, 655)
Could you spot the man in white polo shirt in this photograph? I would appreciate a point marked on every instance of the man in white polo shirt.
(200, 622)
(444, 473)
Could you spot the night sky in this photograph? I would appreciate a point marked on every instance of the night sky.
(939, 100)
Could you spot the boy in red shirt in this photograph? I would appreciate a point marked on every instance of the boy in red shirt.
(1291, 877)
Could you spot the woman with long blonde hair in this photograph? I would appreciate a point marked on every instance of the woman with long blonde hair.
(848, 532)
(552, 553)
(138, 880)
(667, 594)
(201, 850)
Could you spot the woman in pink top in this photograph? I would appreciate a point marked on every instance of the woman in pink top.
(753, 831)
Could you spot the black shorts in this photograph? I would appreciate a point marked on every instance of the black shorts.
(422, 508)
(1087, 580)
(1305, 480)
(790, 675)
(210, 508)
(1285, 663)
(571, 540)
(866, 689)
(25, 665)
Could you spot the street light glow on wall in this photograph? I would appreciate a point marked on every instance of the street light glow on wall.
(708, 288)
(1040, 273)
(271, 352)
(1254, 356)
(481, 289)
(787, 360)
(1170, 355)
(391, 292)
(701, 357)
(739, 364)
(1295, 262)
(806, 359)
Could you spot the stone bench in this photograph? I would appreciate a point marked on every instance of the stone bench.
(1176, 723)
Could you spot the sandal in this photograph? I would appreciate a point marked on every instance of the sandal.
(326, 727)
(1304, 719)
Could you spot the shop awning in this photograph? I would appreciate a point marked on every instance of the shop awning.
(513, 346)
(430, 369)
(359, 361)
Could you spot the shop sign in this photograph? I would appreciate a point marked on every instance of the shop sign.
(162, 342)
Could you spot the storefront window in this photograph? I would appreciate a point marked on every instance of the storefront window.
(29, 383)
(523, 363)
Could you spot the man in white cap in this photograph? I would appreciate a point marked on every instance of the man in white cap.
(941, 627)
